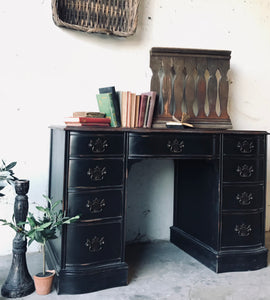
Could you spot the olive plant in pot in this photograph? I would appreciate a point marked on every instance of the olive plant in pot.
(42, 229)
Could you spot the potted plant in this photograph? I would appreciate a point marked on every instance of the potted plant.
(42, 229)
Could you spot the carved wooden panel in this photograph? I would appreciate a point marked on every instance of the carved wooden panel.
(191, 81)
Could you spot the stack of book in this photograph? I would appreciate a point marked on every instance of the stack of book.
(127, 109)
(94, 119)
(137, 110)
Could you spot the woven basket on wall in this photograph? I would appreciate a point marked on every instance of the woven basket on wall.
(118, 17)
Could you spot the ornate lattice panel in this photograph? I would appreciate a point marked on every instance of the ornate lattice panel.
(118, 17)
(191, 81)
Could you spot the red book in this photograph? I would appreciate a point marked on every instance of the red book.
(88, 120)
(92, 124)
(144, 98)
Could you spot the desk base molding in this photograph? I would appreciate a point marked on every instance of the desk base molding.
(220, 262)
(87, 279)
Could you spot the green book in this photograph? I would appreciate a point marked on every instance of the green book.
(105, 105)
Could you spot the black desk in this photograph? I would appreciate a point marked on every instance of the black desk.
(219, 199)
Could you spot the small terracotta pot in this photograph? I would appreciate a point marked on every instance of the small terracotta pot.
(43, 285)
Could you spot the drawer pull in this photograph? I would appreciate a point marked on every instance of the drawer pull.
(244, 199)
(175, 146)
(243, 230)
(98, 146)
(245, 146)
(95, 244)
(96, 206)
(245, 171)
(97, 173)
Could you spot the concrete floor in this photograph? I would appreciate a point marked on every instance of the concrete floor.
(160, 271)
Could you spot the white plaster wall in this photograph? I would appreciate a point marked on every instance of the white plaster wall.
(47, 72)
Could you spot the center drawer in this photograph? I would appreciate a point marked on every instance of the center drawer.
(90, 173)
(172, 144)
(89, 244)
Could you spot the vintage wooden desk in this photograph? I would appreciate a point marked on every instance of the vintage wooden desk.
(219, 199)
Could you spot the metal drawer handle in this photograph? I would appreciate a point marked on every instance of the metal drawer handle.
(96, 206)
(176, 146)
(98, 146)
(95, 244)
(245, 171)
(243, 230)
(245, 146)
(97, 173)
(244, 199)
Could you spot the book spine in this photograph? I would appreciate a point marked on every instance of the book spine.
(151, 109)
(146, 112)
(128, 109)
(87, 124)
(88, 120)
(115, 99)
(142, 110)
(138, 100)
(105, 104)
(133, 110)
(124, 109)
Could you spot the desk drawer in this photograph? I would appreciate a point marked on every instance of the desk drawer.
(243, 144)
(243, 170)
(172, 144)
(89, 244)
(95, 204)
(90, 173)
(243, 197)
(241, 230)
(96, 144)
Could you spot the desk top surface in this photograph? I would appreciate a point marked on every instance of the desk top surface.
(156, 130)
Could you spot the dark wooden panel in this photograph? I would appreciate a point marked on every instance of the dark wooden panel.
(172, 144)
(243, 145)
(197, 199)
(243, 197)
(95, 204)
(89, 173)
(243, 170)
(96, 144)
(89, 244)
(240, 230)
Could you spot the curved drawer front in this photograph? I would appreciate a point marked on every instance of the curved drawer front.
(89, 244)
(171, 144)
(243, 170)
(95, 205)
(84, 173)
(243, 144)
(240, 230)
(96, 144)
(243, 197)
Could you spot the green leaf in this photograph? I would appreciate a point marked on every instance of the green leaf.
(45, 225)
(56, 204)
(40, 208)
(71, 220)
(11, 165)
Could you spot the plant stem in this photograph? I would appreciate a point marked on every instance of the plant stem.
(43, 252)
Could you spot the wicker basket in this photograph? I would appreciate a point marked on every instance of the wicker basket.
(118, 17)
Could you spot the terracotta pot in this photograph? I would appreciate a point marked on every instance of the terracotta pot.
(43, 285)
